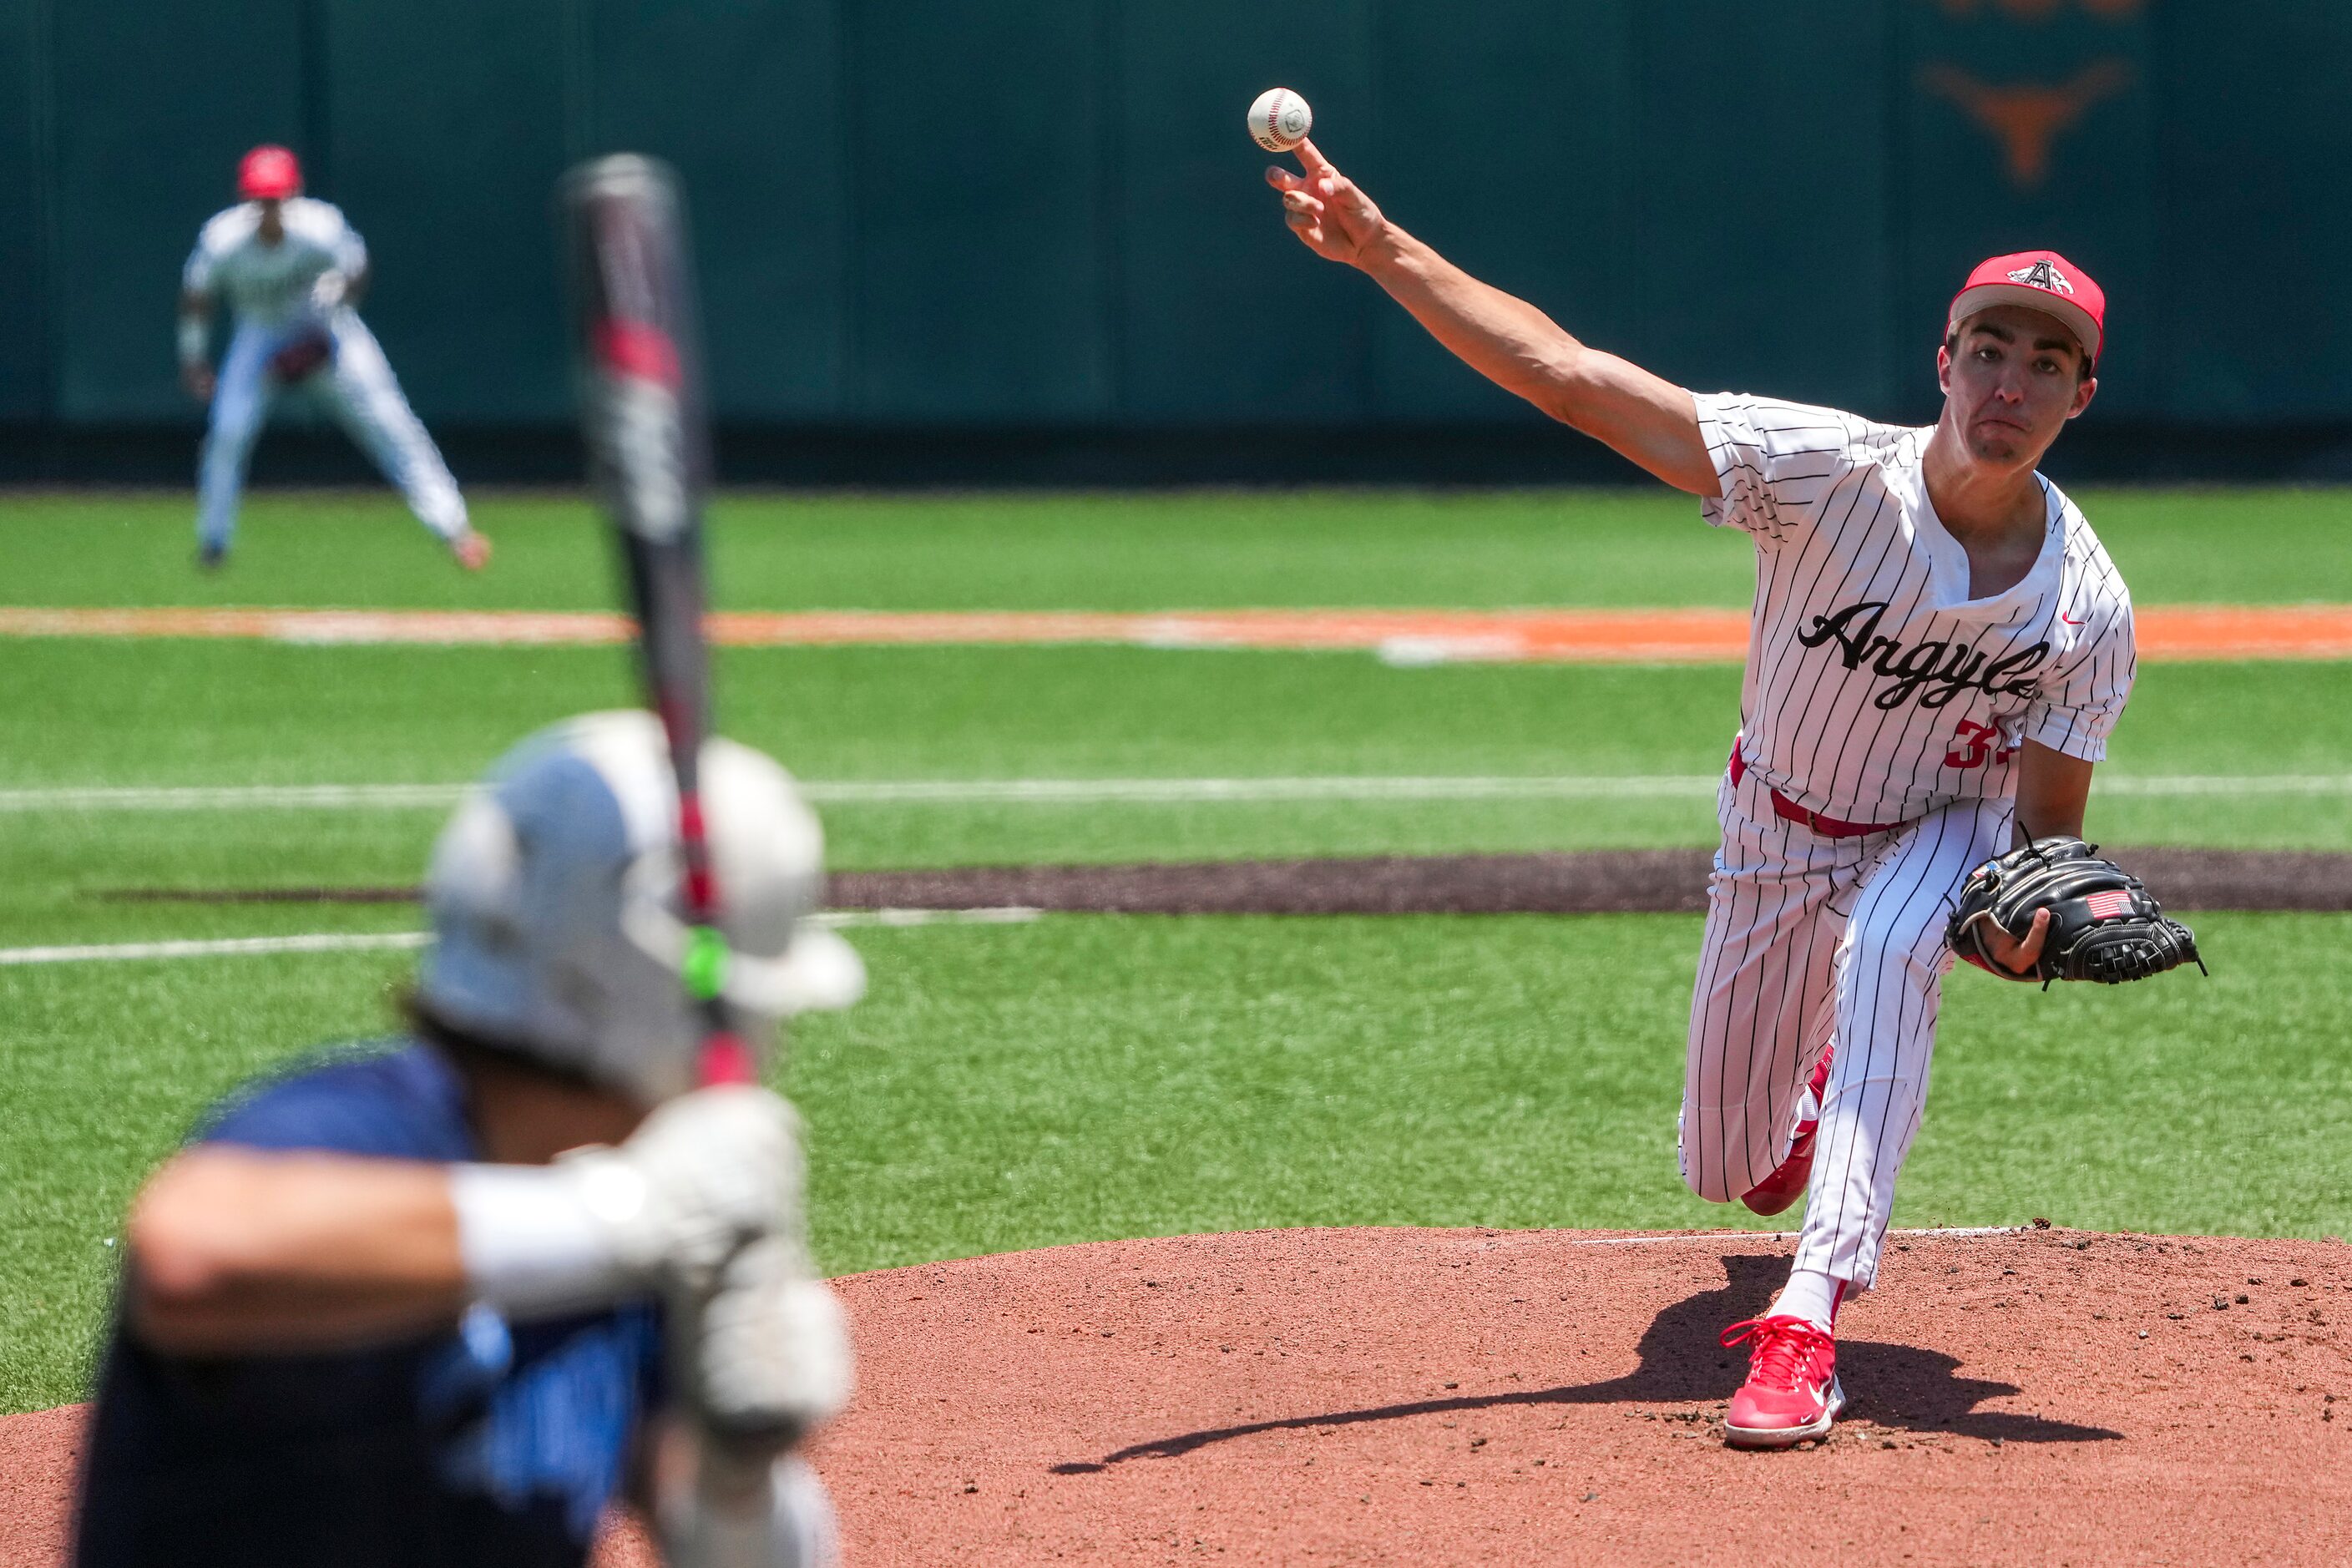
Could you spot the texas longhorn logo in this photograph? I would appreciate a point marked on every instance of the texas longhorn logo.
(2043, 275)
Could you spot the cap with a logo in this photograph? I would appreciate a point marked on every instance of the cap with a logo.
(2039, 280)
(268, 174)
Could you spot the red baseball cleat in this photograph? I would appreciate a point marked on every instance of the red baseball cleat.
(1791, 1393)
(1787, 1184)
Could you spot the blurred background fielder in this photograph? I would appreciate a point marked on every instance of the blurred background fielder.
(292, 271)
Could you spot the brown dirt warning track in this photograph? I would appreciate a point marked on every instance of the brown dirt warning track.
(1450, 1396)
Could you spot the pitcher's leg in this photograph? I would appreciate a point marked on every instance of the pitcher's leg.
(1763, 985)
(1789, 1178)
(1889, 984)
(1888, 979)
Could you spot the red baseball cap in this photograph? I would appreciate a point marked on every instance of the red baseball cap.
(268, 174)
(2039, 280)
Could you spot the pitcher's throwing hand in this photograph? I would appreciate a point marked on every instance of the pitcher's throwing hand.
(1325, 209)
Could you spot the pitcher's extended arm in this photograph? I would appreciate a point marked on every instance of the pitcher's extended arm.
(1646, 418)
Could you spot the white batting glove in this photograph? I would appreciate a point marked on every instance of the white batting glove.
(704, 1174)
(327, 289)
(788, 1522)
(774, 1349)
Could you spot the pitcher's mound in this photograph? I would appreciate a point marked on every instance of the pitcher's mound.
(1426, 1397)
(1477, 1397)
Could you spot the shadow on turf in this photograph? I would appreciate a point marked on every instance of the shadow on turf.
(1682, 1362)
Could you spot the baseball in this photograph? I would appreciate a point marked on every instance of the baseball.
(1279, 120)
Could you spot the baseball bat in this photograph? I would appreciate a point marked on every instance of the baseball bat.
(648, 439)
(647, 429)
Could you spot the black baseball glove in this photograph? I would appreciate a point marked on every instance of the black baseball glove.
(2104, 926)
(300, 356)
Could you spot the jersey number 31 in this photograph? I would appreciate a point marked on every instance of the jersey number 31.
(1976, 746)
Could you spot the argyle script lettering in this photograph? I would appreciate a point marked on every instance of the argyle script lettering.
(1932, 672)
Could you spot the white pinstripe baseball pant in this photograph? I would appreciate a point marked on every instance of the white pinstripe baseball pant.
(1810, 939)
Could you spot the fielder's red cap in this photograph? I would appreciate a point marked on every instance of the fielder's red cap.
(2039, 280)
(268, 174)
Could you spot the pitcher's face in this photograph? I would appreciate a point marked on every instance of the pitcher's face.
(2011, 378)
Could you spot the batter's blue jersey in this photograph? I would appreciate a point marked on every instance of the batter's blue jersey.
(488, 1444)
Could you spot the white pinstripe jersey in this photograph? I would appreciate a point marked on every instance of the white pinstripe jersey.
(1877, 689)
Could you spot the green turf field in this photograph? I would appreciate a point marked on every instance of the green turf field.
(1090, 1077)
(1181, 551)
(1083, 1077)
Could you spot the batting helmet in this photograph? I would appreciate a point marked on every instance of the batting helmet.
(553, 894)
(268, 174)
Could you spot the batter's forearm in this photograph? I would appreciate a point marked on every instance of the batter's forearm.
(277, 1319)
(239, 1251)
(1645, 417)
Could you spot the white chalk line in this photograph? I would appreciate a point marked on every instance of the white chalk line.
(364, 942)
(214, 947)
(988, 915)
(234, 797)
(1094, 792)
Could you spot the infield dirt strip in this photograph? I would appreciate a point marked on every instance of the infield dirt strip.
(1452, 1397)
(1593, 881)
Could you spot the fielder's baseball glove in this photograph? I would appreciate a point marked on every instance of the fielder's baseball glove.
(300, 356)
(2104, 926)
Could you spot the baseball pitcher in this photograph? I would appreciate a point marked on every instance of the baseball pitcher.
(1939, 649)
(292, 272)
(407, 1304)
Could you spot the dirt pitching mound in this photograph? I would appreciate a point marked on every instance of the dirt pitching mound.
(1461, 1396)
(1479, 1397)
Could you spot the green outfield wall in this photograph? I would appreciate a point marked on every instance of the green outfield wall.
(975, 214)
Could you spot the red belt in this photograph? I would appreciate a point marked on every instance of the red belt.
(1790, 811)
